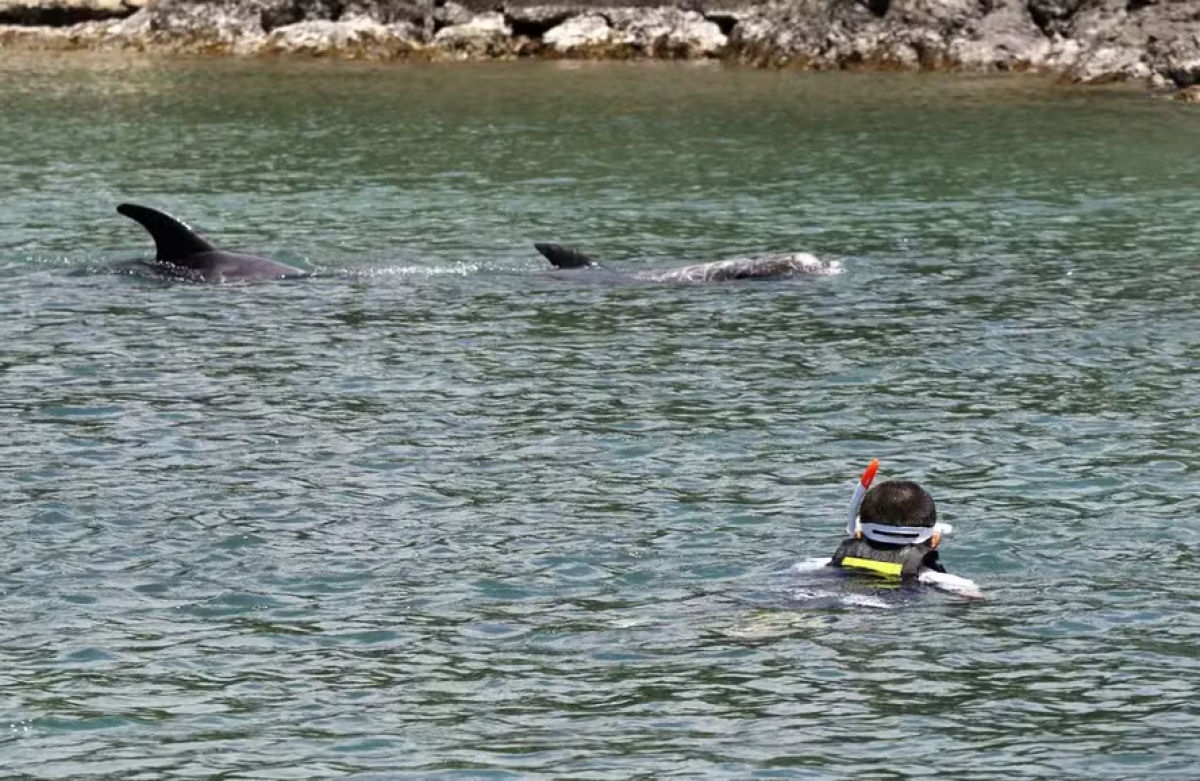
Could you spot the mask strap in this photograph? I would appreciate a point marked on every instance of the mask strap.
(905, 535)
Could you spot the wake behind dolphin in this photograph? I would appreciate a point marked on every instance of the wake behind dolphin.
(181, 253)
(780, 266)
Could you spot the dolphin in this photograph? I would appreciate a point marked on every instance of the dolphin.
(780, 266)
(183, 254)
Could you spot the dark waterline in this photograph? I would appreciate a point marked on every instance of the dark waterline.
(440, 514)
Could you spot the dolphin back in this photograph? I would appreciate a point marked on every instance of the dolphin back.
(783, 266)
(562, 257)
(174, 242)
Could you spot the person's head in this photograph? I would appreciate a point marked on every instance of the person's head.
(898, 503)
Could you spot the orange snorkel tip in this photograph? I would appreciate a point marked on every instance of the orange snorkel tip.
(869, 473)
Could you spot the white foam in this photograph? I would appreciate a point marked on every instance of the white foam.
(811, 565)
(840, 598)
(953, 584)
(863, 600)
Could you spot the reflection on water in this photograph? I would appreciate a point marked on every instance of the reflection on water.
(441, 513)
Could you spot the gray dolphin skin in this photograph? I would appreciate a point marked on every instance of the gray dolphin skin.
(782, 266)
(181, 253)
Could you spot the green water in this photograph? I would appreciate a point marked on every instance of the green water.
(438, 514)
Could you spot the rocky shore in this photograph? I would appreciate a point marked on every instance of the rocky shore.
(1088, 41)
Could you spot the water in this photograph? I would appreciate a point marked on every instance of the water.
(439, 515)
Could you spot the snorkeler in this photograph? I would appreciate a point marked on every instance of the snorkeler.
(894, 538)
(893, 530)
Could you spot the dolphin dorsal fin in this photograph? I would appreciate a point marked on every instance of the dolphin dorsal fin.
(173, 241)
(561, 257)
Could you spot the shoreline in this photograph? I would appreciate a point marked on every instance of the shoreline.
(1077, 41)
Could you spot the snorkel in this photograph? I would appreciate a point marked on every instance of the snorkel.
(886, 533)
(860, 491)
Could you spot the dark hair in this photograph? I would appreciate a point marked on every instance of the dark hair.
(899, 503)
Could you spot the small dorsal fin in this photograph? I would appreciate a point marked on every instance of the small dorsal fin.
(562, 257)
(174, 242)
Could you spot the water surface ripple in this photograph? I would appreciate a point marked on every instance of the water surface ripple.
(438, 514)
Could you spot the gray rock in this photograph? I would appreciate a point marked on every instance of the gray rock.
(580, 34)
(1175, 54)
(666, 32)
(1005, 39)
(1123, 39)
(1086, 40)
(227, 26)
(1188, 94)
(544, 15)
(388, 11)
(484, 35)
(356, 38)
(452, 13)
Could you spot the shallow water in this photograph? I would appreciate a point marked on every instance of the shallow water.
(440, 514)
